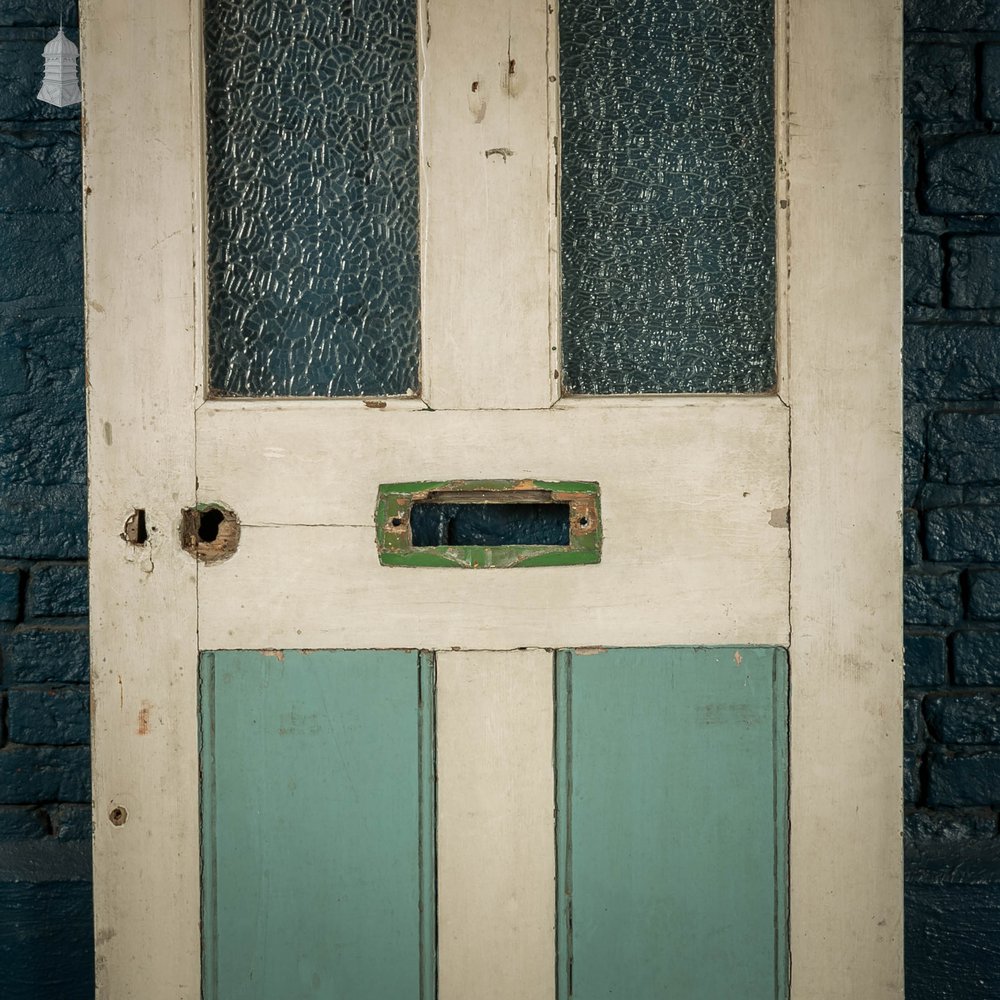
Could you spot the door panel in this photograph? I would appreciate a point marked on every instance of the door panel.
(327, 773)
(317, 825)
(672, 785)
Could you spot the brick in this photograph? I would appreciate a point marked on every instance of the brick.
(925, 656)
(21, 68)
(950, 934)
(43, 522)
(40, 171)
(963, 534)
(984, 594)
(22, 13)
(962, 176)
(938, 82)
(932, 599)
(42, 258)
(973, 718)
(43, 442)
(44, 774)
(977, 657)
(964, 447)
(42, 439)
(967, 778)
(46, 939)
(951, 363)
(912, 548)
(58, 716)
(911, 777)
(10, 594)
(953, 15)
(44, 655)
(990, 81)
(22, 823)
(57, 589)
(913, 723)
(13, 369)
(923, 261)
(924, 826)
(72, 822)
(973, 271)
(914, 442)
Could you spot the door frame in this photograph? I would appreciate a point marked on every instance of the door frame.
(839, 230)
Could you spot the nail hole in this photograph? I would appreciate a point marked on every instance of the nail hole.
(135, 532)
(396, 522)
(584, 522)
(118, 816)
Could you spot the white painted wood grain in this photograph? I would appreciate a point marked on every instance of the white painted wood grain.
(846, 657)
(485, 204)
(669, 469)
(496, 835)
(693, 500)
(140, 172)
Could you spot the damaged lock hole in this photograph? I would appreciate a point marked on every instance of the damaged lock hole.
(209, 532)
(135, 532)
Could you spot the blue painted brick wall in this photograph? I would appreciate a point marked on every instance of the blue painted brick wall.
(952, 486)
(45, 893)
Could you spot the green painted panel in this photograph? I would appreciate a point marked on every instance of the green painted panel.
(672, 830)
(317, 825)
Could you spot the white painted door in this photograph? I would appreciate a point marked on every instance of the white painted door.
(694, 489)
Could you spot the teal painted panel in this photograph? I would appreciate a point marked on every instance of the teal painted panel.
(317, 825)
(671, 831)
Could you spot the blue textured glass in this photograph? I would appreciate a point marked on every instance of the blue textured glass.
(667, 195)
(312, 197)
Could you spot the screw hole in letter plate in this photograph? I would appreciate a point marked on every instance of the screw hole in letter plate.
(488, 524)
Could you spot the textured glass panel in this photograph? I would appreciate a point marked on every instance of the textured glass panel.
(312, 180)
(667, 195)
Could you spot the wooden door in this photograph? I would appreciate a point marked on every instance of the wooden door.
(320, 775)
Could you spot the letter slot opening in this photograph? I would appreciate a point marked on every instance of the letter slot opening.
(488, 524)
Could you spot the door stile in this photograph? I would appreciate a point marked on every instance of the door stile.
(844, 302)
(141, 241)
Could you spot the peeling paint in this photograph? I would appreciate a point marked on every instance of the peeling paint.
(778, 517)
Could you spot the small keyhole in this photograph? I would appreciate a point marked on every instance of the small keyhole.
(135, 532)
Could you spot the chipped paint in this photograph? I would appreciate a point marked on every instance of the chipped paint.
(778, 517)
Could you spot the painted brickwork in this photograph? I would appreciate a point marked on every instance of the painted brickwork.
(45, 909)
(952, 476)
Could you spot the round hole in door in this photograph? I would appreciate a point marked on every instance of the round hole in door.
(209, 532)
